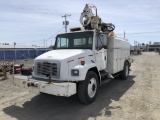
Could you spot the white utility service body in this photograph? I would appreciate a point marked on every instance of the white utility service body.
(64, 61)
(82, 60)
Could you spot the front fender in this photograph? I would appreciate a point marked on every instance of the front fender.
(83, 69)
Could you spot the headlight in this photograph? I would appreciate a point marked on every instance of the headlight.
(75, 72)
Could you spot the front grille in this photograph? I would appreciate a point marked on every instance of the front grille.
(44, 69)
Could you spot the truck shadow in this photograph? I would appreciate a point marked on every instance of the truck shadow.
(48, 107)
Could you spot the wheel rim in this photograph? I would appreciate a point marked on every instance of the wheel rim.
(92, 87)
(126, 70)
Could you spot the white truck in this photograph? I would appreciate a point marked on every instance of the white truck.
(82, 60)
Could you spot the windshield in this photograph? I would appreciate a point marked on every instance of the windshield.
(81, 40)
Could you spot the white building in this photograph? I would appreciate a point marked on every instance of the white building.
(19, 46)
(156, 43)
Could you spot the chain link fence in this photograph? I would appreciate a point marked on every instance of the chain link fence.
(19, 54)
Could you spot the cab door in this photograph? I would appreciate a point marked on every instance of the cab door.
(101, 51)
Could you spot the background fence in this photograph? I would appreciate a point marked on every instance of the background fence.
(18, 54)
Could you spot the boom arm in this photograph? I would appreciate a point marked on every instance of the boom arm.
(92, 21)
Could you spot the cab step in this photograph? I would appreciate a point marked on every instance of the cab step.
(105, 81)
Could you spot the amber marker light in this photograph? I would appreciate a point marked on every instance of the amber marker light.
(112, 33)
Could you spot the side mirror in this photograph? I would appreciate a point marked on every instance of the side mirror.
(54, 47)
(105, 46)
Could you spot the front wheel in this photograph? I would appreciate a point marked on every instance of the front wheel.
(125, 72)
(87, 89)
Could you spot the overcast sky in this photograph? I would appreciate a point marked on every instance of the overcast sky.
(33, 21)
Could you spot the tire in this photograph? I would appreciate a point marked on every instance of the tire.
(87, 89)
(125, 72)
(22, 72)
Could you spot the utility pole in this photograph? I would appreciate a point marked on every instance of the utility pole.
(124, 34)
(14, 44)
(66, 22)
(44, 43)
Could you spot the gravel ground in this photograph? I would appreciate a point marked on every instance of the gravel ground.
(137, 98)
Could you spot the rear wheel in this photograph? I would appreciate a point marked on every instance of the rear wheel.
(125, 72)
(22, 72)
(87, 89)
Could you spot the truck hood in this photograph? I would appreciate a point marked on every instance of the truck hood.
(59, 54)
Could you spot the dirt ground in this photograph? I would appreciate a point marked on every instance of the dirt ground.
(137, 98)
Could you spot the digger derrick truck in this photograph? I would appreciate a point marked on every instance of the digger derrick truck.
(82, 60)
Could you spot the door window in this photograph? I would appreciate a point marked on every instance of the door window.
(99, 41)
